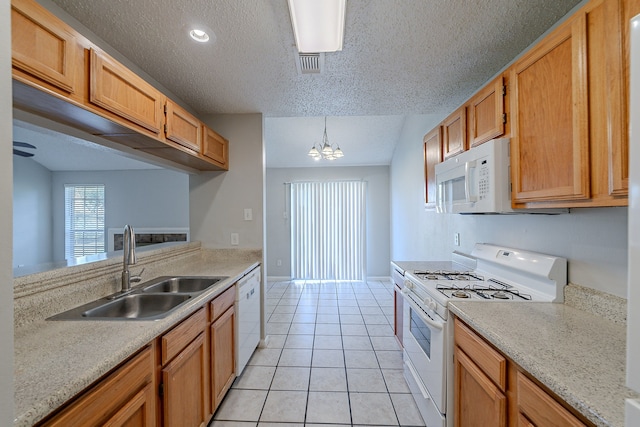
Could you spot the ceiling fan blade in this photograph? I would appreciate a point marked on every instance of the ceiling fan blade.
(23, 144)
(22, 153)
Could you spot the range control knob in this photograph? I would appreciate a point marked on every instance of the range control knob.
(430, 303)
(408, 284)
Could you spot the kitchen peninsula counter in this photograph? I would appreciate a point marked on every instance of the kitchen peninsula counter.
(577, 355)
(56, 360)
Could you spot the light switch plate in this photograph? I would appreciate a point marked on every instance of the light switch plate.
(248, 214)
(235, 239)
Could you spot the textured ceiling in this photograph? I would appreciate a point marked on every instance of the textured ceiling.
(400, 57)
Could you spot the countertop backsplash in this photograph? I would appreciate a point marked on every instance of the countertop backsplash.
(611, 307)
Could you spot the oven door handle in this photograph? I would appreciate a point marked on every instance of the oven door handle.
(429, 321)
(418, 381)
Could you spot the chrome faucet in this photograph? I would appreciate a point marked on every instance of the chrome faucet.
(129, 258)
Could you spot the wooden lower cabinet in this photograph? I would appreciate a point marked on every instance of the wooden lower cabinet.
(185, 373)
(478, 401)
(184, 387)
(539, 409)
(178, 380)
(222, 356)
(490, 390)
(125, 398)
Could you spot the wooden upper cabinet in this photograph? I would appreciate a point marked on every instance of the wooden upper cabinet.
(616, 40)
(117, 89)
(182, 127)
(216, 148)
(454, 133)
(550, 118)
(43, 46)
(432, 156)
(486, 113)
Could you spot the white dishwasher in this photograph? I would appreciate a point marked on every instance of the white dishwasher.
(248, 306)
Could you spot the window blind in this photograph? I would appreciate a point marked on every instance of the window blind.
(84, 227)
(328, 230)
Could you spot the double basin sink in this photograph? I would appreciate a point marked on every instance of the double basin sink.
(153, 300)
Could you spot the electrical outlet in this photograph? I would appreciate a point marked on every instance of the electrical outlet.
(456, 239)
(248, 214)
(279, 263)
(235, 239)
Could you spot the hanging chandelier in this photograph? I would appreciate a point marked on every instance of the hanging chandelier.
(325, 150)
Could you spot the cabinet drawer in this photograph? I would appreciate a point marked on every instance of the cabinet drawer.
(179, 337)
(541, 408)
(222, 302)
(489, 360)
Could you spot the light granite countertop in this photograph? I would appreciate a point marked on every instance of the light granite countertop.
(55, 360)
(577, 355)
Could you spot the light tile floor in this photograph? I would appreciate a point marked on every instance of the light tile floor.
(331, 359)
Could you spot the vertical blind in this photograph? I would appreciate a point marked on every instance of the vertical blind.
(83, 220)
(328, 230)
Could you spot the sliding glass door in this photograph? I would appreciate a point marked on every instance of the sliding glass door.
(328, 230)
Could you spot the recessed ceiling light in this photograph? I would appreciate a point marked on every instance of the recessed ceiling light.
(199, 35)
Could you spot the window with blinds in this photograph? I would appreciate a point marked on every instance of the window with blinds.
(84, 230)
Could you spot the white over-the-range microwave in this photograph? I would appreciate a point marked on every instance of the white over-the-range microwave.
(476, 181)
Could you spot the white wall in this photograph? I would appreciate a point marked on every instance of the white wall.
(378, 214)
(141, 198)
(32, 213)
(218, 199)
(6, 212)
(593, 240)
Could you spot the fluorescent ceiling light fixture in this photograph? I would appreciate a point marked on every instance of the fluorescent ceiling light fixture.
(318, 25)
(199, 35)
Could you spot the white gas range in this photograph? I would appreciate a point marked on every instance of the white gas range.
(491, 274)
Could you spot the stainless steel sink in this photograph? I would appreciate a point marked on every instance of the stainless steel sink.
(187, 285)
(137, 306)
(152, 300)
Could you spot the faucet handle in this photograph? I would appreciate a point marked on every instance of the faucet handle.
(137, 278)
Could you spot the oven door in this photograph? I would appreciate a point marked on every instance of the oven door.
(424, 341)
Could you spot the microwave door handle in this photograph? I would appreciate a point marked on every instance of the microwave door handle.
(467, 184)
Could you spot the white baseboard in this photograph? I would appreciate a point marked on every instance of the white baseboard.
(380, 278)
(278, 278)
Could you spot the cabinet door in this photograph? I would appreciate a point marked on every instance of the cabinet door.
(432, 156)
(121, 92)
(550, 140)
(477, 401)
(454, 133)
(182, 127)
(216, 148)
(615, 47)
(125, 398)
(42, 45)
(486, 113)
(541, 409)
(222, 356)
(136, 413)
(184, 387)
